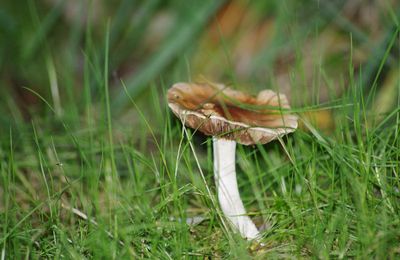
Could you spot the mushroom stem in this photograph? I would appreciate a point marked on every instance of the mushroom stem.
(227, 188)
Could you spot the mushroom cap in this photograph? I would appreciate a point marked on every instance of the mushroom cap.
(219, 111)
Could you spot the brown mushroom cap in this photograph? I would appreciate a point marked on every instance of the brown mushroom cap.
(216, 110)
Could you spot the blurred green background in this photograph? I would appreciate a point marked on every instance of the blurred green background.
(301, 48)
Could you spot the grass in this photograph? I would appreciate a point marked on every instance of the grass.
(84, 178)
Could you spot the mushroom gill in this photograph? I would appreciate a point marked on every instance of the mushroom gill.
(267, 110)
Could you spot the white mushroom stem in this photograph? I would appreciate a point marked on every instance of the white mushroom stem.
(227, 188)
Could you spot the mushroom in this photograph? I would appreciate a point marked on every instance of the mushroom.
(231, 117)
